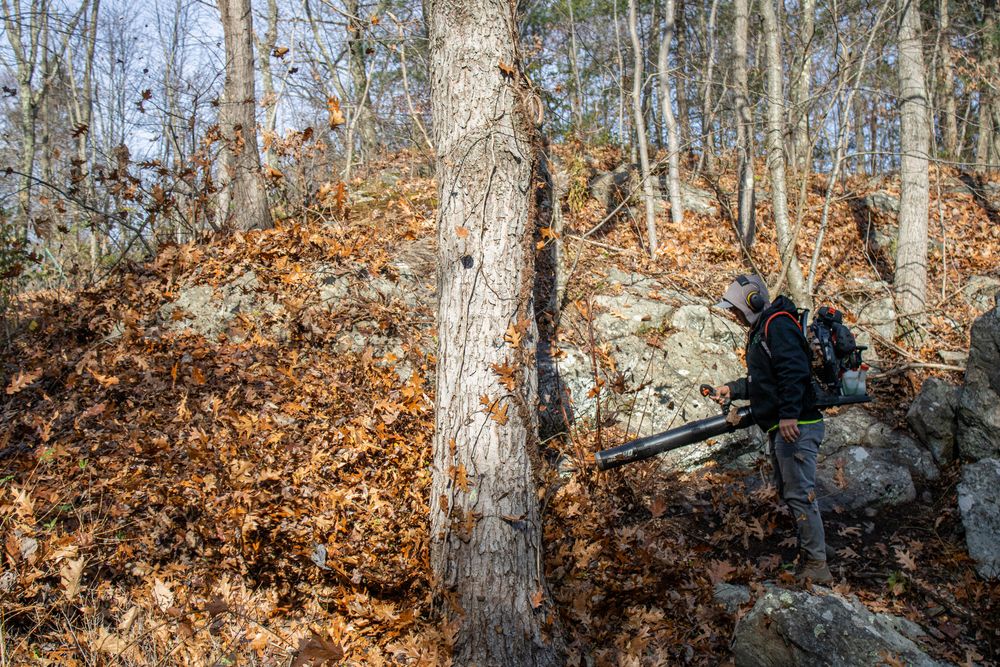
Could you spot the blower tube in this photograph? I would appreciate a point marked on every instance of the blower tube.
(696, 431)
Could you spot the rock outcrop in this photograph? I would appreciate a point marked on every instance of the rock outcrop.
(658, 346)
(978, 433)
(979, 504)
(866, 463)
(931, 417)
(793, 628)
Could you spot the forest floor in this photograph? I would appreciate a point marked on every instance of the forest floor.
(168, 499)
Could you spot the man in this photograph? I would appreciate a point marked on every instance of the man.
(780, 390)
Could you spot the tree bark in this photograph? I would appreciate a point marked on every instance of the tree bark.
(776, 154)
(746, 220)
(707, 159)
(621, 77)
(247, 201)
(914, 135)
(364, 119)
(950, 101)
(640, 128)
(577, 97)
(265, 50)
(673, 144)
(486, 538)
(804, 72)
(680, 81)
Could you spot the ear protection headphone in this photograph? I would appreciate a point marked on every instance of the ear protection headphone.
(755, 301)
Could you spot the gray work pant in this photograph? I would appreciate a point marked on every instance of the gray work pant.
(795, 476)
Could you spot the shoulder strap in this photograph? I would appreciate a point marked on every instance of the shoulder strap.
(779, 314)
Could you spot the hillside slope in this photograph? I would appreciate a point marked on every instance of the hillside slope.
(222, 456)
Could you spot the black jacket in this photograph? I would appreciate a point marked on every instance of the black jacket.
(779, 379)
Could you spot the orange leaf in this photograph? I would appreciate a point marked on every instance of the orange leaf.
(536, 599)
(104, 380)
(22, 380)
(507, 70)
(336, 115)
(462, 232)
(500, 415)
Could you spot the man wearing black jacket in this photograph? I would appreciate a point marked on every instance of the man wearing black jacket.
(780, 390)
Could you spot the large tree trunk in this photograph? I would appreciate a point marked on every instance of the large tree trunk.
(247, 201)
(746, 220)
(640, 127)
(486, 538)
(914, 139)
(673, 144)
(776, 155)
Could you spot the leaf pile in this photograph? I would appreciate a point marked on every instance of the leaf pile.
(169, 495)
(258, 493)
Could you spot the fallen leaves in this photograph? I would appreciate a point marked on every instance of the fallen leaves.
(22, 380)
(70, 575)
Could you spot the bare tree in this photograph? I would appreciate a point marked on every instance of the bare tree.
(640, 127)
(266, 49)
(776, 155)
(35, 72)
(746, 217)
(707, 158)
(949, 109)
(803, 77)
(357, 47)
(673, 143)
(914, 139)
(247, 200)
(486, 549)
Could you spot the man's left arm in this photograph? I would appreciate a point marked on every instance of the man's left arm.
(791, 366)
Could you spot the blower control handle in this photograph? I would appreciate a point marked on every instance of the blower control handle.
(707, 390)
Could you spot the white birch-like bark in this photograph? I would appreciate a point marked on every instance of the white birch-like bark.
(914, 139)
(640, 128)
(673, 143)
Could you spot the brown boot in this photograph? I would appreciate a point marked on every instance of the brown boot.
(815, 571)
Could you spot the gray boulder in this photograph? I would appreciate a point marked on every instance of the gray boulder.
(795, 628)
(852, 478)
(867, 463)
(980, 292)
(662, 344)
(731, 596)
(882, 203)
(875, 309)
(979, 504)
(212, 311)
(698, 201)
(978, 433)
(932, 418)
